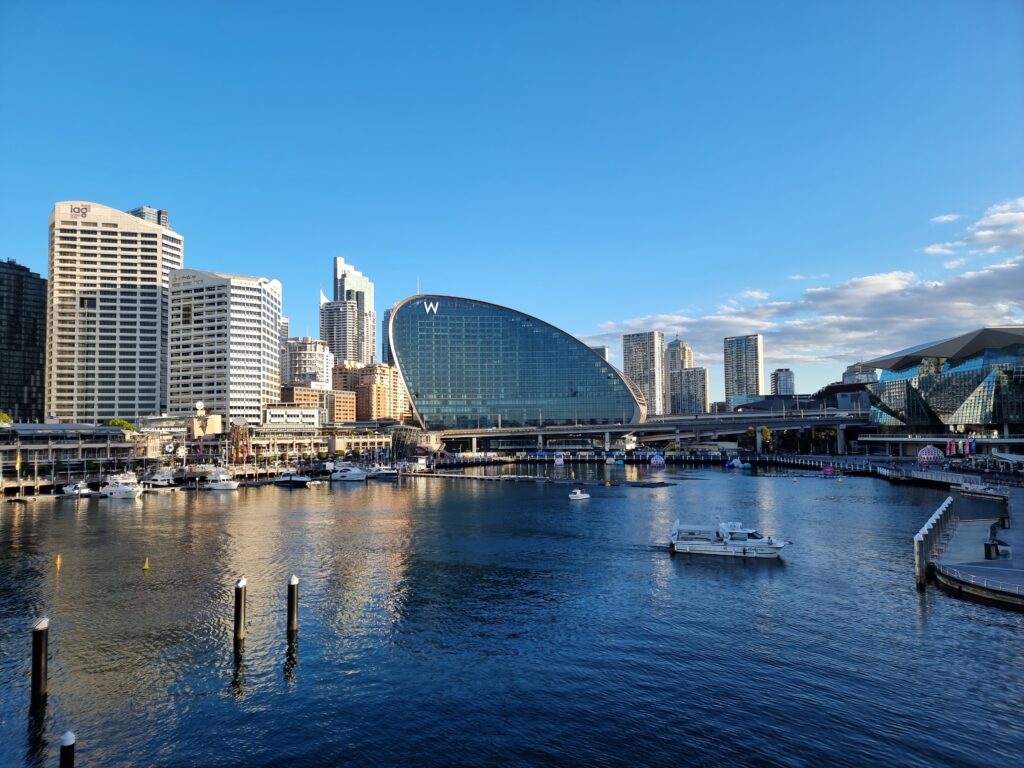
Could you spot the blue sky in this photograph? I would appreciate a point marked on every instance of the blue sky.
(698, 168)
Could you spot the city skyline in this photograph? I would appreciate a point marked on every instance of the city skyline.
(405, 169)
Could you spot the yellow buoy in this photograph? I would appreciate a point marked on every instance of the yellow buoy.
(58, 561)
(145, 565)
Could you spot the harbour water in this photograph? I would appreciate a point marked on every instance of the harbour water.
(446, 622)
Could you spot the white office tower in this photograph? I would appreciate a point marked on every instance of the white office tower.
(689, 391)
(306, 362)
(284, 330)
(643, 361)
(744, 363)
(107, 311)
(348, 323)
(225, 348)
(783, 382)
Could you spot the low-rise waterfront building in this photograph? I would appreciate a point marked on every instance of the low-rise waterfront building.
(291, 414)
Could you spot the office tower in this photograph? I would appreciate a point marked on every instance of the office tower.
(689, 392)
(107, 304)
(306, 362)
(643, 361)
(783, 382)
(224, 344)
(22, 342)
(744, 362)
(858, 373)
(348, 323)
(380, 393)
(385, 345)
(602, 352)
(152, 215)
(284, 330)
(678, 355)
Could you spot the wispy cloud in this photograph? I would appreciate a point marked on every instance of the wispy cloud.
(944, 218)
(822, 276)
(954, 263)
(1000, 228)
(758, 295)
(942, 249)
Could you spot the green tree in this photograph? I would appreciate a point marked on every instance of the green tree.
(122, 423)
(5, 418)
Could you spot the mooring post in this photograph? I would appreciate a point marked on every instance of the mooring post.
(67, 750)
(40, 651)
(240, 611)
(293, 607)
(920, 562)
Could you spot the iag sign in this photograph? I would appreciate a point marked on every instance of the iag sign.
(79, 210)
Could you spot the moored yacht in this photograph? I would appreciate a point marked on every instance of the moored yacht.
(161, 478)
(220, 480)
(79, 489)
(726, 539)
(348, 471)
(124, 485)
(291, 480)
(382, 472)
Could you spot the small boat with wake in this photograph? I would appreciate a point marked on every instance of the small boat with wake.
(728, 539)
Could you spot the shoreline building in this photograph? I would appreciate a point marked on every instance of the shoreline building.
(107, 312)
(690, 391)
(744, 364)
(22, 342)
(783, 382)
(225, 344)
(472, 364)
(643, 361)
(348, 323)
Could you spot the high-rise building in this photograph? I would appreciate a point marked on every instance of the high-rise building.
(380, 393)
(689, 391)
(152, 215)
(603, 352)
(225, 349)
(348, 323)
(306, 362)
(643, 361)
(284, 330)
(744, 363)
(107, 308)
(783, 382)
(22, 342)
(385, 343)
(678, 355)
(858, 373)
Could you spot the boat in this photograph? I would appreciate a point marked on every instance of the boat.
(578, 493)
(80, 489)
(725, 539)
(161, 478)
(382, 472)
(291, 480)
(123, 485)
(348, 471)
(220, 480)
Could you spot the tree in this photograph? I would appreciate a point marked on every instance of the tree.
(5, 418)
(122, 423)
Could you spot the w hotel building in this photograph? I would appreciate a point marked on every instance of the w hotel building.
(107, 320)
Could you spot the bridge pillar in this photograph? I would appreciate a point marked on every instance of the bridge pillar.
(841, 440)
(757, 439)
(540, 441)
(472, 443)
(677, 440)
(607, 441)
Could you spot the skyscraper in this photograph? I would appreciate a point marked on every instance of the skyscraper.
(602, 352)
(643, 361)
(385, 344)
(678, 355)
(744, 363)
(225, 348)
(689, 390)
(306, 362)
(783, 382)
(22, 342)
(107, 300)
(348, 323)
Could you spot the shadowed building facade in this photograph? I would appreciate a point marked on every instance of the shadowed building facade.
(22, 342)
(469, 364)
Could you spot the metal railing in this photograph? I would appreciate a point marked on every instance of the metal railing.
(994, 584)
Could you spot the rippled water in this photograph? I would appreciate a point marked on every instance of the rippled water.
(461, 622)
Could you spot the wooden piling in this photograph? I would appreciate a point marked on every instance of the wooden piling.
(293, 607)
(240, 611)
(67, 750)
(40, 652)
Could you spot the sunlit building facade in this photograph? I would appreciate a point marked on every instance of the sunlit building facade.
(969, 382)
(469, 364)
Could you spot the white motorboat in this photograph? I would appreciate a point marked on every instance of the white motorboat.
(121, 486)
(578, 493)
(80, 489)
(291, 480)
(220, 480)
(161, 478)
(348, 472)
(726, 539)
(381, 472)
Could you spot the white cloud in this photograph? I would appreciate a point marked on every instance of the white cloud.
(822, 276)
(1001, 227)
(758, 295)
(944, 218)
(953, 263)
(943, 249)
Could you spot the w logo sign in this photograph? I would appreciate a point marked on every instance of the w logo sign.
(431, 307)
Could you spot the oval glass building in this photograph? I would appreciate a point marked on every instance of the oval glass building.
(471, 364)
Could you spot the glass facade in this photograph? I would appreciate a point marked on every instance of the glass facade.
(985, 390)
(22, 342)
(470, 364)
